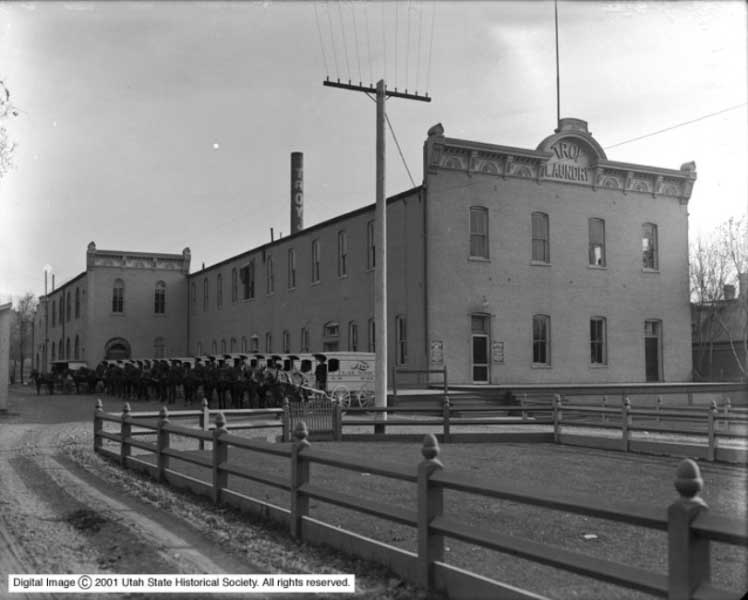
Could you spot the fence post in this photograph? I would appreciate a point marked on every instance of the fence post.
(163, 444)
(728, 408)
(125, 432)
(557, 417)
(445, 417)
(605, 407)
(220, 456)
(659, 408)
(523, 405)
(711, 427)
(299, 477)
(98, 425)
(625, 422)
(204, 420)
(337, 421)
(430, 504)
(286, 421)
(688, 554)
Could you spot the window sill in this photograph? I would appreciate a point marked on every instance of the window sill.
(315, 283)
(483, 259)
(540, 366)
(539, 263)
(647, 270)
(159, 315)
(247, 299)
(291, 289)
(117, 314)
(598, 366)
(598, 267)
(344, 276)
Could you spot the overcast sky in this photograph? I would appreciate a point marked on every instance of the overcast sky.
(155, 126)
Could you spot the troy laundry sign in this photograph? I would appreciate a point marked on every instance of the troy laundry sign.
(569, 163)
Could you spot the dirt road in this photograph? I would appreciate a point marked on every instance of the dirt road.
(63, 510)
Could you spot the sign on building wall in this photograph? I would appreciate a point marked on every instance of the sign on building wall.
(570, 162)
(497, 352)
(437, 352)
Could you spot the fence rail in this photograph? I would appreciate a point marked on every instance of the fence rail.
(690, 529)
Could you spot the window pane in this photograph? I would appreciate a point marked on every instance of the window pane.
(479, 232)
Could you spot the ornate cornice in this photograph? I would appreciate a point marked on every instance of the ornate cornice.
(137, 260)
(571, 156)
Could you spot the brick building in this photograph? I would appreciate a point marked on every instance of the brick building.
(507, 264)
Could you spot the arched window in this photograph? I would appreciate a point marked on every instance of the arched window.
(68, 307)
(649, 247)
(158, 347)
(205, 294)
(541, 247)
(54, 313)
(159, 298)
(234, 285)
(199, 348)
(245, 347)
(233, 344)
(223, 346)
(77, 303)
(54, 357)
(214, 347)
(353, 336)
(77, 349)
(330, 335)
(286, 341)
(268, 342)
(219, 290)
(67, 349)
(62, 303)
(194, 297)
(254, 343)
(478, 232)
(118, 296)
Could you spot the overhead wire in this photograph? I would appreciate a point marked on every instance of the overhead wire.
(407, 49)
(396, 36)
(332, 42)
(384, 45)
(418, 54)
(402, 157)
(355, 39)
(368, 44)
(345, 41)
(321, 45)
(707, 116)
(431, 46)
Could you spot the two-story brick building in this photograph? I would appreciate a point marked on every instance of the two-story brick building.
(551, 264)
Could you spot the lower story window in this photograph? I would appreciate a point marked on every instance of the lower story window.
(598, 341)
(541, 340)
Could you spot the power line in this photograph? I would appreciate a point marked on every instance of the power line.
(355, 38)
(418, 55)
(321, 45)
(394, 137)
(407, 49)
(431, 46)
(396, 28)
(332, 41)
(345, 41)
(646, 135)
(368, 44)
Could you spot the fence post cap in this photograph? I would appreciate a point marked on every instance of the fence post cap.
(285, 402)
(713, 406)
(163, 415)
(300, 434)
(688, 481)
(126, 410)
(99, 405)
(430, 449)
(220, 421)
(627, 403)
(205, 403)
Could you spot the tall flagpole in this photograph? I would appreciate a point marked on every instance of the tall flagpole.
(558, 78)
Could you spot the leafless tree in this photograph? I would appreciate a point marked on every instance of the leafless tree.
(7, 146)
(23, 317)
(716, 263)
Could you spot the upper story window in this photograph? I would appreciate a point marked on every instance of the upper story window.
(353, 336)
(401, 340)
(541, 340)
(219, 290)
(286, 341)
(214, 348)
(478, 232)
(54, 357)
(268, 342)
(331, 329)
(247, 276)
(315, 261)
(541, 249)
(232, 345)
(234, 285)
(371, 246)
(597, 242)
(194, 298)
(223, 346)
(54, 313)
(118, 296)
(77, 349)
(342, 254)
(372, 336)
(254, 344)
(291, 268)
(206, 294)
(269, 275)
(68, 307)
(244, 346)
(77, 303)
(159, 298)
(649, 246)
(62, 308)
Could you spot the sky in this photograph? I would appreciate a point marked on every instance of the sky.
(153, 126)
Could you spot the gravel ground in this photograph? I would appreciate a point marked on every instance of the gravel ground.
(64, 510)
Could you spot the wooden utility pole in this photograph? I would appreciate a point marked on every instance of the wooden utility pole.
(380, 282)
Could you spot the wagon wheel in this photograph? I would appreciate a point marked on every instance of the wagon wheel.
(342, 395)
(366, 395)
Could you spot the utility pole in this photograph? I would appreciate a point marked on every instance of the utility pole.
(380, 234)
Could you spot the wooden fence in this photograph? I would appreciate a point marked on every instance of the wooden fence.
(690, 527)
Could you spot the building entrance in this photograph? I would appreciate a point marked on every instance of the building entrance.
(652, 350)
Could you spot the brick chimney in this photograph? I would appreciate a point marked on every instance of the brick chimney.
(743, 284)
